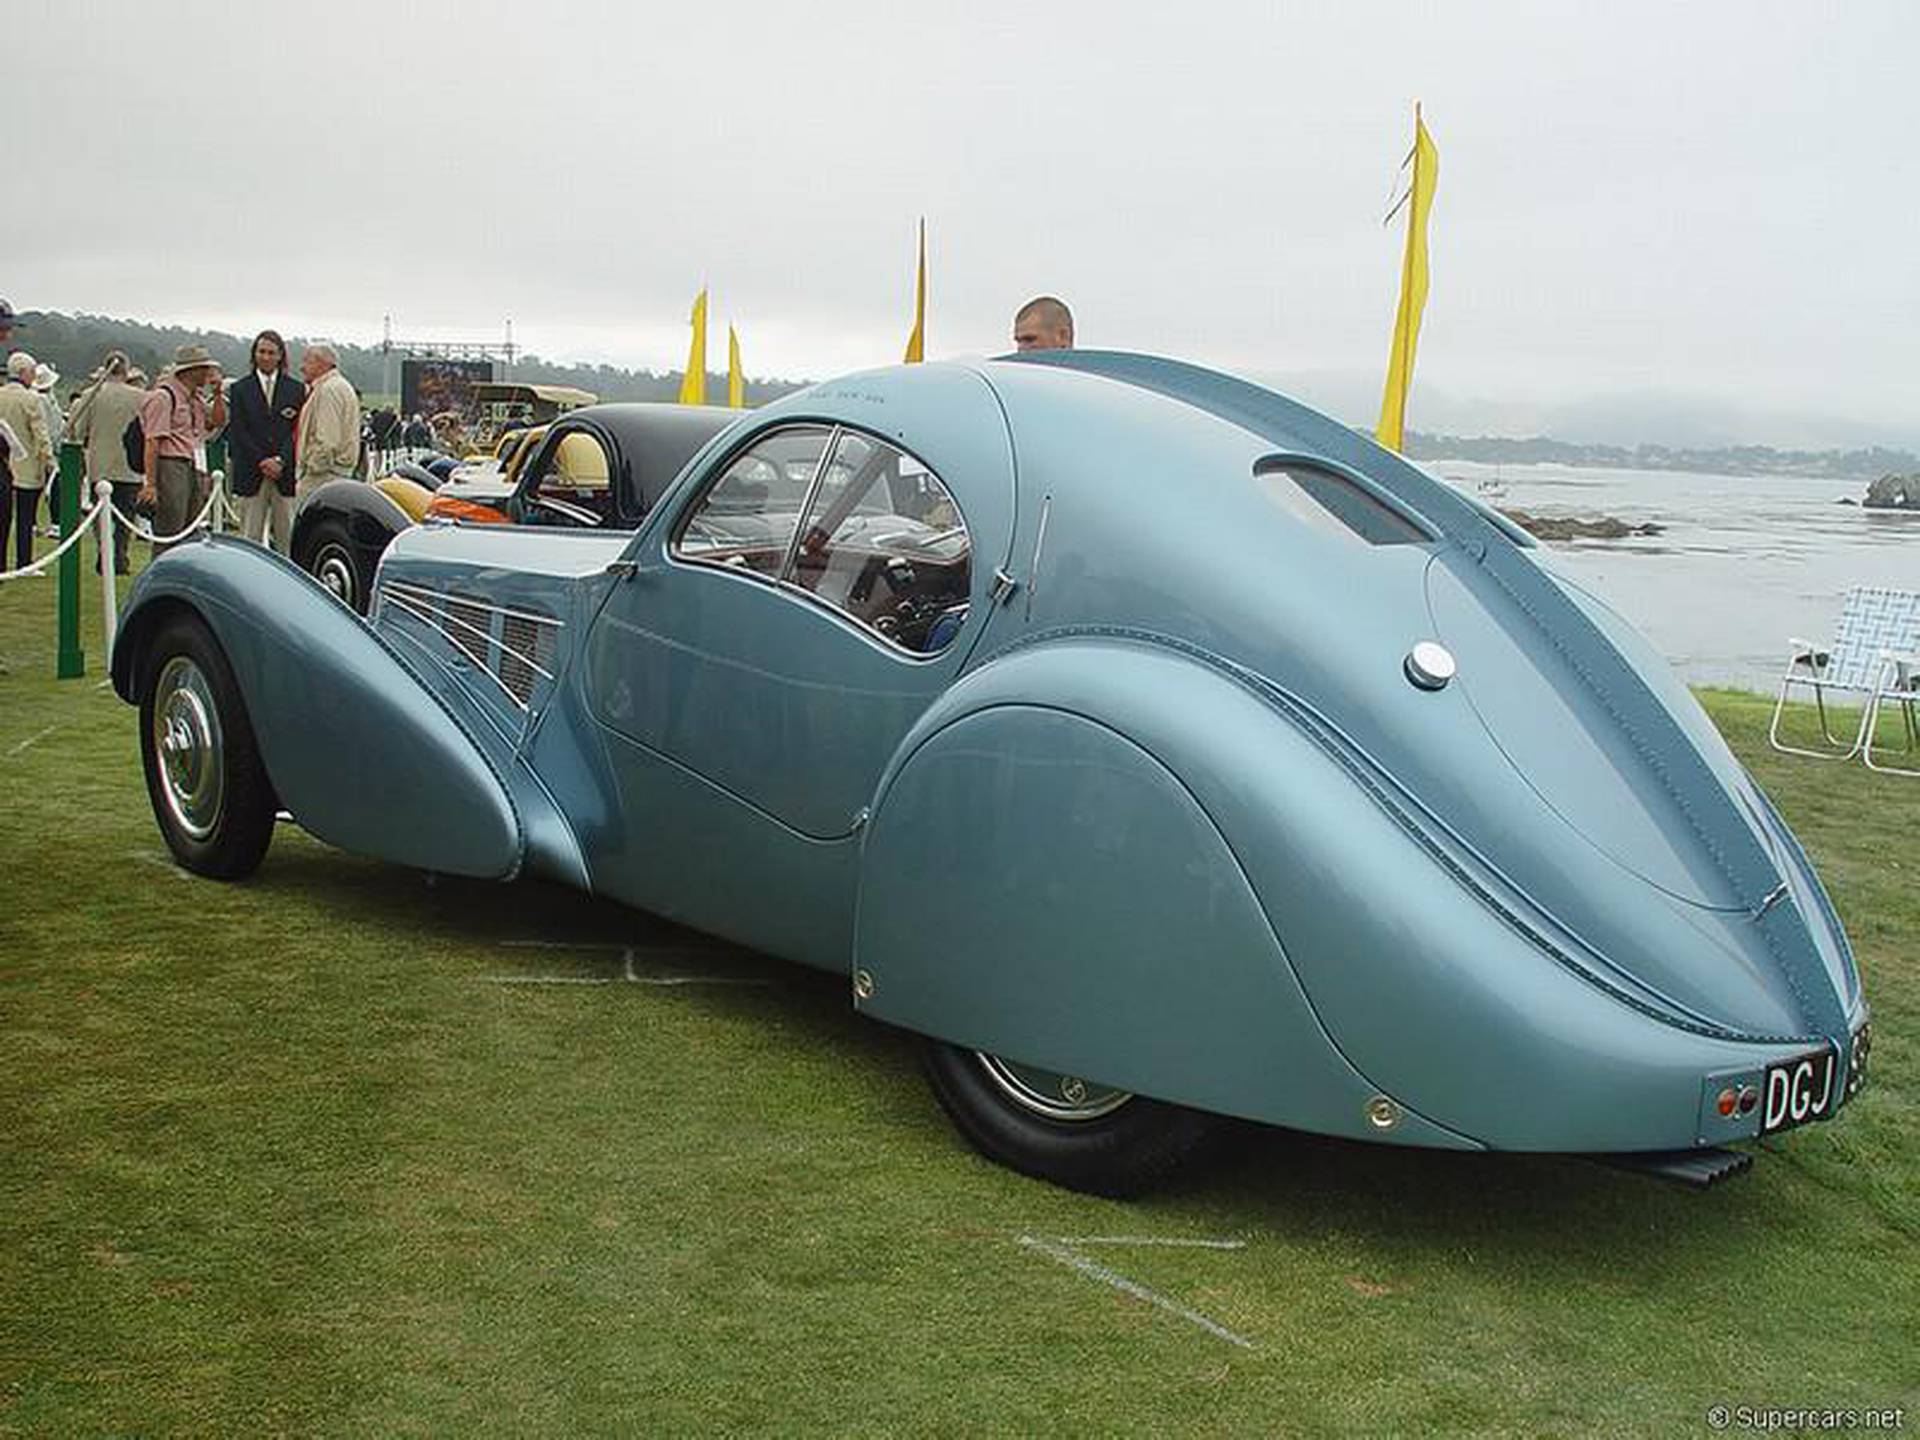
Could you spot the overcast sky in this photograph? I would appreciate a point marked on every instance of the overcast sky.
(1703, 212)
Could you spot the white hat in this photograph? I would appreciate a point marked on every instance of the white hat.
(45, 377)
(20, 366)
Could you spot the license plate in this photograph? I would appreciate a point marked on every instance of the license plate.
(1797, 1091)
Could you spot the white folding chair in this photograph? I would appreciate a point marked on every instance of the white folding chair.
(1872, 658)
(1899, 681)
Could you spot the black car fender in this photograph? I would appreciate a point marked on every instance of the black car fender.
(371, 518)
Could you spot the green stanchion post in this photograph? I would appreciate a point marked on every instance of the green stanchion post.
(72, 662)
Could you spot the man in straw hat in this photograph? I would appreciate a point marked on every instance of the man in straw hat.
(176, 417)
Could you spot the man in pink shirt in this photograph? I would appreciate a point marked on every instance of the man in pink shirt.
(176, 417)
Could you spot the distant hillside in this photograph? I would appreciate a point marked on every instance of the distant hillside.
(1868, 463)
(73, 345)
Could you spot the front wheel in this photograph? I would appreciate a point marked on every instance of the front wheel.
(209, 789)
(332, 558)
(1060, 1127)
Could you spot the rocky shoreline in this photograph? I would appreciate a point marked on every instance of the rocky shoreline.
(1894, 492)
(1554, 527)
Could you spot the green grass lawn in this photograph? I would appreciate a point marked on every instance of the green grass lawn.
(287, 1156)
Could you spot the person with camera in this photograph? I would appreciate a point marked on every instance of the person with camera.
(176, 417)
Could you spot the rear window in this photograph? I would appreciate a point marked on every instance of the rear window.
(1332, 502)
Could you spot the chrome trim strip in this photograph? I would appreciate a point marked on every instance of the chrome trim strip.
(432, 615)
(421, 592)
(806, 503)
(1039, 543)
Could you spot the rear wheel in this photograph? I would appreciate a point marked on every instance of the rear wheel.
(1060, 1127)
(209, 789)
(333, 560)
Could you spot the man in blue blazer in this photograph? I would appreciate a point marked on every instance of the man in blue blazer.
(263, 405)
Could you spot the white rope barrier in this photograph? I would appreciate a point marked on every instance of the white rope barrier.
(145, 532)
(101, 520)
(39, 566)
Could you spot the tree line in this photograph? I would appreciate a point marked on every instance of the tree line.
(1858, 464)
(74, 344)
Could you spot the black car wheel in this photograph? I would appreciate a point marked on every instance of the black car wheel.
(1059, 1127)
(333, 560)
(209, 789)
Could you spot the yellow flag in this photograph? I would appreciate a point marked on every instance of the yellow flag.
(917, 341)
(693, 386)
(736, 378)
(1413, 289)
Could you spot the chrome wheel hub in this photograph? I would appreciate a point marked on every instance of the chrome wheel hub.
(1049, 1093)
(187, 744)
(333, 568)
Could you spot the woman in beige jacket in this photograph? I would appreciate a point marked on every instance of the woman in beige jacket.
(98, 424)
(27, 464)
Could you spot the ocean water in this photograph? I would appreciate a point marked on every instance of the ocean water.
(1743, 563)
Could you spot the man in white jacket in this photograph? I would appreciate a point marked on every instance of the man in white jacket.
(326, 438)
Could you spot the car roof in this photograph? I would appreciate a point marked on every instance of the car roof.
(656, 439)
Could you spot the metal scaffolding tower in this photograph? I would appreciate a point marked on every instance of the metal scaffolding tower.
(439, 350)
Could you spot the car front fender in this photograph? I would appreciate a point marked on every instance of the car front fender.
(357, 748)
(371, 514)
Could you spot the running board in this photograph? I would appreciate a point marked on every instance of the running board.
(1697, 1169)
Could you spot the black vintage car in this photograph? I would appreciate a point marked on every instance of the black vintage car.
(600, 467)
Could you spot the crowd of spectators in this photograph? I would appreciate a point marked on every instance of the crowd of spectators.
(149, 439)
(284, 436)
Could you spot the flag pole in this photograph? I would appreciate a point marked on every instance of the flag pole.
(1418, 201)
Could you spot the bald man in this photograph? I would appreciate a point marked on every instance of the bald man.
(1043, 323)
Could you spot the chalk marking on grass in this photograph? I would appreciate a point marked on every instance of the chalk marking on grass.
(606, 947)
(1153, 1240)
(147, 857)
(547, 979)
(627, 976)
(103, 684)
(563, 945)
(31, 740)
(636, 979)
(1062, 1253)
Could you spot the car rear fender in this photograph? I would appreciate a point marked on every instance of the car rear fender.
(1112, 859)
(363, 754)
(1037, 884)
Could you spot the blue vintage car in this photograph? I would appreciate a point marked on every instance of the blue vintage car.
(1156, 748)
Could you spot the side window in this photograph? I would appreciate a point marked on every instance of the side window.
(1333, 503)
(574, 483)
(746, 519)
(884, 543)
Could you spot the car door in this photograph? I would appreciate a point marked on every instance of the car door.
(810, 595)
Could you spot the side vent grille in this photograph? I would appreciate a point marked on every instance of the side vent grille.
(526, 650)
(470, 627)
(516, 649)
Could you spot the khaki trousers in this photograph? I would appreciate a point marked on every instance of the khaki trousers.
(176, 498)
(267, 509)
